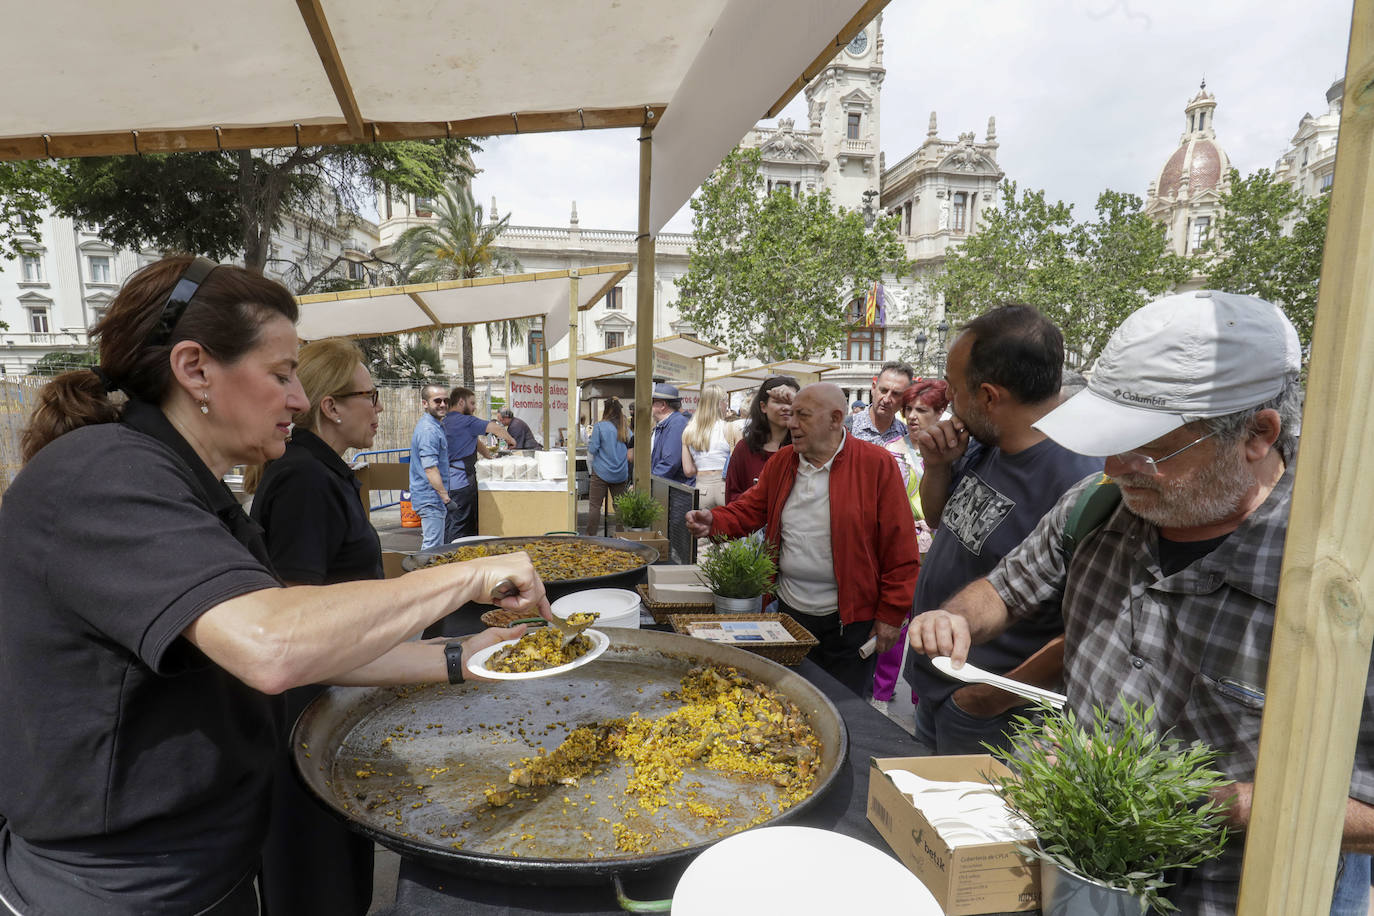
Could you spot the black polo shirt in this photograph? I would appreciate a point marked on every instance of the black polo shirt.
(318, 532)
(133, 771)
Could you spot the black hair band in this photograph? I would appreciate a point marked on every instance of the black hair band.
(109, 383)
(183, 291)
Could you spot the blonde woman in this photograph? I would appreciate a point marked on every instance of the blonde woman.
(706, 447)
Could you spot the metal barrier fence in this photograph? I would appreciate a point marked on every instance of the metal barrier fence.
(18, 395)
(399, 455)
(678, 499)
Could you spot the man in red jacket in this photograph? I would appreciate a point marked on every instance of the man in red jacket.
(847, 556)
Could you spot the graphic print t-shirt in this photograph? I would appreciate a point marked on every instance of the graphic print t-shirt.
(995, 501)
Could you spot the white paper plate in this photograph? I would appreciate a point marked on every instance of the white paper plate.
(799, 871)
(478, 663)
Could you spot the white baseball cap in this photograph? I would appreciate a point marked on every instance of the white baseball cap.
(1182, 358)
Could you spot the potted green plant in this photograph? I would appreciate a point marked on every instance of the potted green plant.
(1113, 808)
(738, 572)
(636, 510)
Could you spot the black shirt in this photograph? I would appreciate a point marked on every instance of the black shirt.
(522, 434)
(318, 532)
(135, 771)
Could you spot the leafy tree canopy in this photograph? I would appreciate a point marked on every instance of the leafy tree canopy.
(770, 276)
(21, 205)
(1085, 277)
(1251, 252)
(222, 203)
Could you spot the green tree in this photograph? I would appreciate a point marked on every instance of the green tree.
(770, 276)
(21, 207)
(1251, 252)
(59, 361)
(222, 203)
(416, 361)
(1085, 277)
(459, 245)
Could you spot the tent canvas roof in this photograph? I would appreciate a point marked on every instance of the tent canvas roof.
(144, 76)
(741, 379)
(619, 360)
(454, 303)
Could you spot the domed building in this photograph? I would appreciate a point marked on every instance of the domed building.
(1186, 196)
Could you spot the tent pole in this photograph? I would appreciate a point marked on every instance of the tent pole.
(644, 318)
(1325, 618)
(573, 404)
(548, 429)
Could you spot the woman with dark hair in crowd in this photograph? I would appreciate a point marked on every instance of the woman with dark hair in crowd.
(142, 631)
(765, 433)
(609, 461)
(318, 533)
(922, 404)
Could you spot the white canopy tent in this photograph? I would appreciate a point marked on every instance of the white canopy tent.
(455, 303)
(742, 379)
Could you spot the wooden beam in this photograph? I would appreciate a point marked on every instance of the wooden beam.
(415, 297)
(1325, 618)
(644, 317)
(863, 17)
(323, 37)
(332, 133)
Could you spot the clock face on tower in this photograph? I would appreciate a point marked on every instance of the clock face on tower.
(858, 44)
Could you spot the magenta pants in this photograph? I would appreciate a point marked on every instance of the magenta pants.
(888, 668)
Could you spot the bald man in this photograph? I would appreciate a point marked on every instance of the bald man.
(847, 558)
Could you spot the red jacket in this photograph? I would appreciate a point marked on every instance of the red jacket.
(872, 533)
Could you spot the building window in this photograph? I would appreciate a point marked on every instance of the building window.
(614, 299)
(424, 206)
(615, 339)
(906, 218)
(100, 268)
(535, 340)
(296, 230)
(38, 320)
(852, 132)
(1304, 157)
(356, 271)
(1198, 230)
(1325, 184)
(960, 206)
(866, 345)
(33, 267)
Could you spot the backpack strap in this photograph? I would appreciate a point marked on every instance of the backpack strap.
(1095, 505)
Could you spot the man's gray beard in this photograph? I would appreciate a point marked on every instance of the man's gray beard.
(981, 428)
(1213, 495)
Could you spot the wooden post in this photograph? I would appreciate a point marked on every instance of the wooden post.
(1325, 617)
(573, 404)
(644, 318)
(548, 428)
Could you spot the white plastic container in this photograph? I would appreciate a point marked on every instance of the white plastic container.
(553, 464)
(618, 607)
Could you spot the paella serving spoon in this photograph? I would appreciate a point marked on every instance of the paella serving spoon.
(975, 675)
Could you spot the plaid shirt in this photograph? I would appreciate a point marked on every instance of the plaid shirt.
(1194, 644)
(861, 427)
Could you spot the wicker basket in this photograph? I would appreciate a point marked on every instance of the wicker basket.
(784, 653)
(662, 611)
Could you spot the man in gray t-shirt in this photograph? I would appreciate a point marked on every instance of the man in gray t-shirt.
(987, 494)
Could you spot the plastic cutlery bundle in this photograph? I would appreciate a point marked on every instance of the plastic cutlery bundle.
(963, 813)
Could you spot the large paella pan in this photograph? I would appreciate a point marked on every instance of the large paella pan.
(413, 768)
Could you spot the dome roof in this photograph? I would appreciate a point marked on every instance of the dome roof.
(1204, 162)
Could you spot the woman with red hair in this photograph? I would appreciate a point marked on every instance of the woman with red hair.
(922, 404)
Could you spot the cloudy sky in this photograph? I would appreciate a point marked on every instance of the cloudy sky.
(1088, 95)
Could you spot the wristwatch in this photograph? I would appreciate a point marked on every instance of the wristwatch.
(453, 657)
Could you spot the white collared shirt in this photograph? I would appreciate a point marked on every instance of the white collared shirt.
(806, 564)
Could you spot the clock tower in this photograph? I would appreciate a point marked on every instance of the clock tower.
(843, 110)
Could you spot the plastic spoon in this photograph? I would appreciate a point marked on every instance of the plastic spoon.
(975, 675)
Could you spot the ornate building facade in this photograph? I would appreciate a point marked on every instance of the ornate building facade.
(1309, 163)
(1186, 194)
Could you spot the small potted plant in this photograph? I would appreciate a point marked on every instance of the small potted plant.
(637, 510)
(1113, 808)
(738, 572)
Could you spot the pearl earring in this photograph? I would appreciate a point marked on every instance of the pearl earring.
(338, 419)
(205, 406)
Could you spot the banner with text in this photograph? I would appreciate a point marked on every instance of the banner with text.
(527, 402)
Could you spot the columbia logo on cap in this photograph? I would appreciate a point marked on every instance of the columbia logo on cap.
(1149, 399)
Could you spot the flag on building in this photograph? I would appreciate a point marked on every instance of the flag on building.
(874, 311)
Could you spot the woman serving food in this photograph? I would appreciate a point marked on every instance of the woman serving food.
(143, 635)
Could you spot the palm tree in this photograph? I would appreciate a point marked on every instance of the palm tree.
(459, 245)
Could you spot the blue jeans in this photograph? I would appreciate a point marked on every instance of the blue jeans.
(1352, 886)
(431, 525)
(947, 729)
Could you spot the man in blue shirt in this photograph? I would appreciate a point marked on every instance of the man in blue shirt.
(665, 454)
(428, 459)
(461, 429)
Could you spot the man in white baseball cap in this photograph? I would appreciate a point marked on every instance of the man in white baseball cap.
(1168, 565)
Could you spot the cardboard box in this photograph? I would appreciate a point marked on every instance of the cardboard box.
(651, 538)
(675, 575)
(967, 880)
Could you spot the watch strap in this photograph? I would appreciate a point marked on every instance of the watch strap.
(453, 657)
